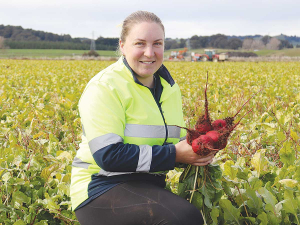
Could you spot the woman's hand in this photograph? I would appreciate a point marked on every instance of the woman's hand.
(185, 154)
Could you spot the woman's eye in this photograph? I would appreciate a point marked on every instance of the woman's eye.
(139, 43)
(158, 43)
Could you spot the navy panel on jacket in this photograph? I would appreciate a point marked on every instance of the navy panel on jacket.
(118, 157)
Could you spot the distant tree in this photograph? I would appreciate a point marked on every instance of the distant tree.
(257, 44)
(204, 40)
(106, 43)
(234, 43)
(182, 43)
(297, 46)
(273, 44)
(2, 42)
(285, 44)
(171, 44)
(67, 38)
(247, 43)
(195, 42)
(218, 41)
(8, 31)
(266, 39)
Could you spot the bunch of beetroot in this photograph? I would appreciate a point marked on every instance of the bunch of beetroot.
(208, 136)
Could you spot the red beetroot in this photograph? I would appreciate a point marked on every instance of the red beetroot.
(211, 137)
(191, 134)
(219, 124)
(203, 125)
(202, 145)
(214, 135)
(225, 133)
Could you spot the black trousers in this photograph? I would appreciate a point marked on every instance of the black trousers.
(138, 203)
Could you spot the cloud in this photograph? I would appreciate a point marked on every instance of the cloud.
(181, 18)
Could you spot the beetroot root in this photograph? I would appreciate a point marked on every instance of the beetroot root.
(202, 145)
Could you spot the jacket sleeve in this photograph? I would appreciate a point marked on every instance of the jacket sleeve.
(103, 118)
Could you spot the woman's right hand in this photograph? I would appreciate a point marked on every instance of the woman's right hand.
(185, 154)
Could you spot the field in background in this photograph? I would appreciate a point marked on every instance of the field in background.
(60, 53)
(284, 52)
(48, 53)
(41, 130)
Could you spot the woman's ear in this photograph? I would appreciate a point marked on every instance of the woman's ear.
(121, 44)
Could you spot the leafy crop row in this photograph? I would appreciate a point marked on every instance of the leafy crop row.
(255, 180)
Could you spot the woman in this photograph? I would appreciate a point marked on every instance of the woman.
(129, 141)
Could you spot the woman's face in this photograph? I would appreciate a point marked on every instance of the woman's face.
(144, 50)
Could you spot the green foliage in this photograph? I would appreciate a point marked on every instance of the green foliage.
(39, 134)
(259, 183)
(254, 180)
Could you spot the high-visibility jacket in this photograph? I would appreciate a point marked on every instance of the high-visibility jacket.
(125, 131)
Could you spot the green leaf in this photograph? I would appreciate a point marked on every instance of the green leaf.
(294, 135)
(287, 154)
(254, 203)
(242, 174)
(214, 214)
(231, 214)
(208, 192)
(281, 136)
(255, 183)
(19, 222)
(229, 170)
(48, 170)
(263, 218)
(215, 171)
(50, 203)
(272, 219)
(290, 206)
(182, 190)
(18, 198)
(289, 182)
(197, 200)
(269, 198)
(6, 177)
(260, 162)
(290, 203)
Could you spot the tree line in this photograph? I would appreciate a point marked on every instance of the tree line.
(15, 37)
(18, 38)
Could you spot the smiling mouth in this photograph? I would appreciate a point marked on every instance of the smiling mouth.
(147, 62)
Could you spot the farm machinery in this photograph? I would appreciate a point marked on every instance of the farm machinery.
(209, 55)
(178, 54)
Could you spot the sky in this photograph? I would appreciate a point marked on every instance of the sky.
(181, 18)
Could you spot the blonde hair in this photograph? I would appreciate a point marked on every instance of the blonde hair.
(138, 17)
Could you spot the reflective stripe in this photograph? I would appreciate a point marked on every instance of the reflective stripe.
(183, 138)
(103, 141)
(145, 158)
(83, 132)
(79, 163)
(174, 132)
(109, 174)
(151, 131)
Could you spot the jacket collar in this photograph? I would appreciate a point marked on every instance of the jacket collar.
(162, 71)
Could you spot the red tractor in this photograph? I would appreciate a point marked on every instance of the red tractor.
(209, 54)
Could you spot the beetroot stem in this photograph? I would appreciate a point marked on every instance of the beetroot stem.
(241, 119)
(246, 103)
(205, 94)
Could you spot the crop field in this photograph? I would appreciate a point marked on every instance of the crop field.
(48, 53)
(254, 180)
